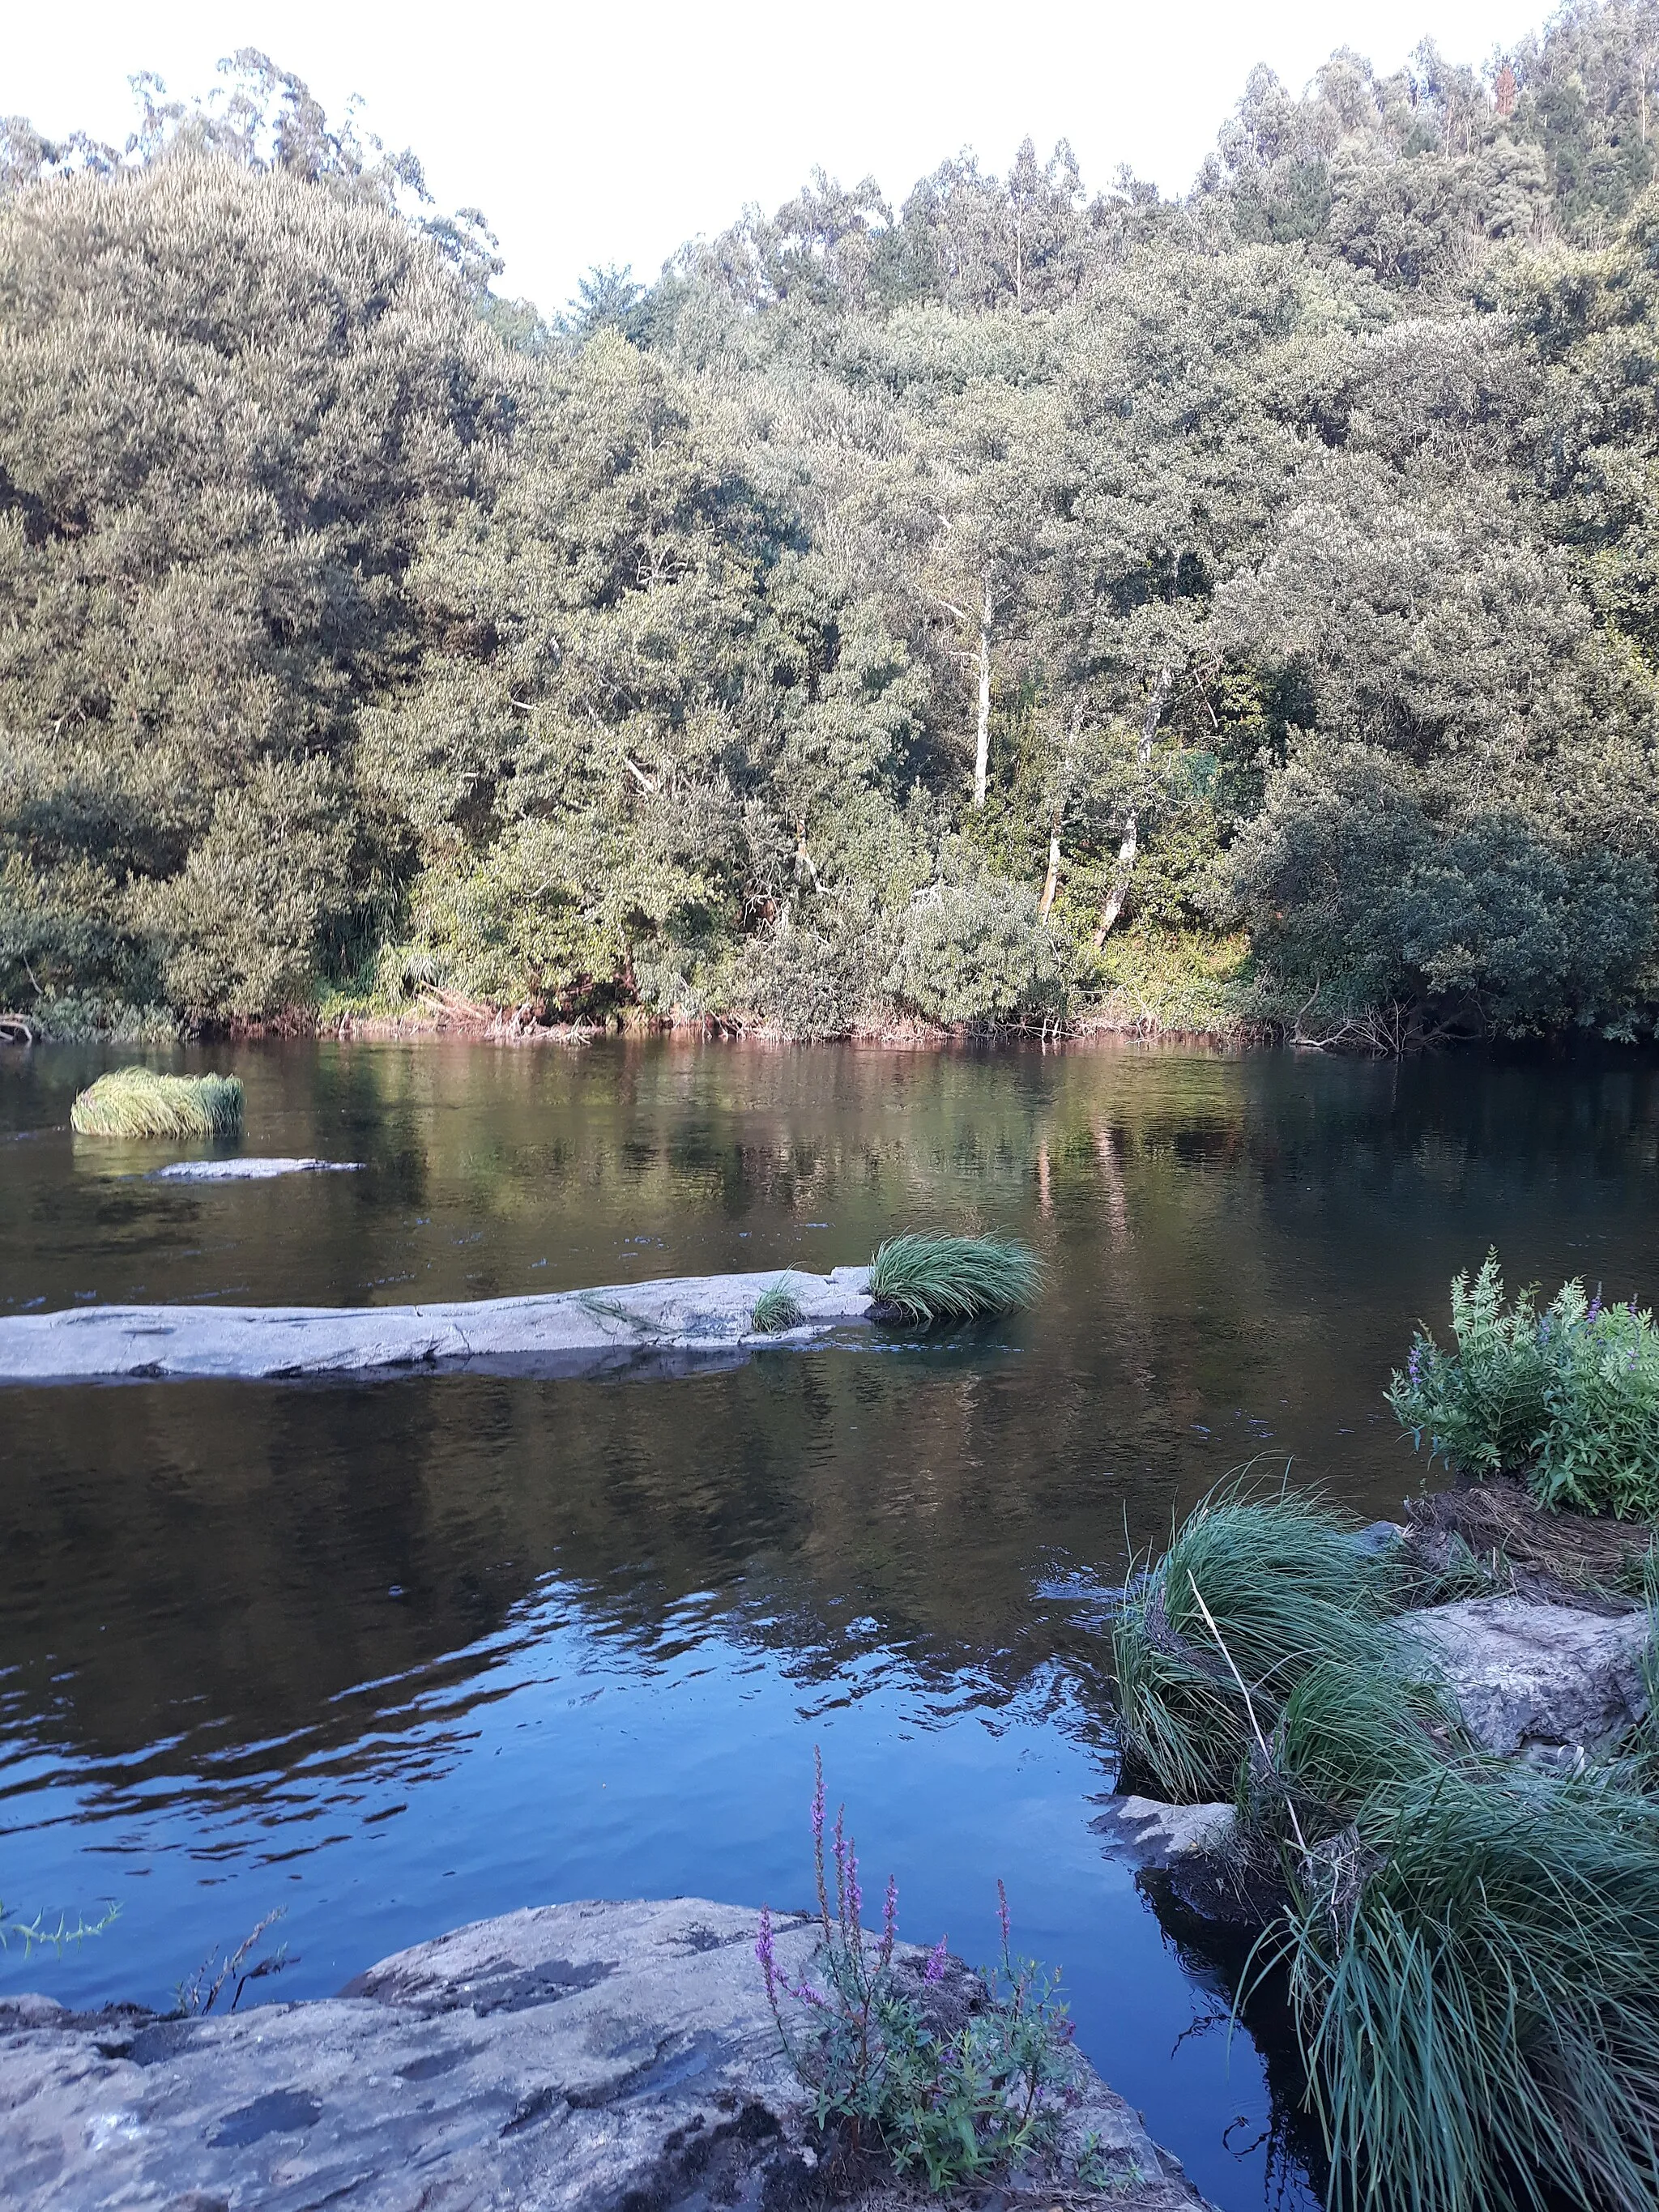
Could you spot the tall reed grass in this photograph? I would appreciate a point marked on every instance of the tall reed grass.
(925, 1278)
(1471, 1948)
(136, 1102)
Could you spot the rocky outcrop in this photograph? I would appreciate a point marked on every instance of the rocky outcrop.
(567, 1333)
(1551, 1682)
(248, 1171)
(584, 2057)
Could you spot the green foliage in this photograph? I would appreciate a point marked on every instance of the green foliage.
(361, 631)
(1569, 1397)
(776, 1308)
(926, 1278)
(1479, 2021)
(136, 1102)
(39, 1933)
(1471, 1948)
(1285, 1589)
(962, 2105)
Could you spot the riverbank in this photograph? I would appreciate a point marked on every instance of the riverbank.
(580, 2057)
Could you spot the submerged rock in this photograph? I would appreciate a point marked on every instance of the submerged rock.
(1150, 1833)
(1196, 1853)
(576, 2058)
(1552, 1682)
(254, 1170)
(565, 1333)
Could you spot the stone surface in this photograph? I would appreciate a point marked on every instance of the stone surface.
(585, 2058)
(1150, 1833)
(569, 1332)
(248, 1170)
(1546, 1680)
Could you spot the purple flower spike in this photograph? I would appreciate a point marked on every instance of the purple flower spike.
(766, 1955)
(1002, 1913)
(855, 1894)
(936, 1963)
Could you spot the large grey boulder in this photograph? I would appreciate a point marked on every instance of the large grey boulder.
(565, 1333)
(586, 2058)
(1547, 1681)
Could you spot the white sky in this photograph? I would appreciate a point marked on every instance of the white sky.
(594, 134)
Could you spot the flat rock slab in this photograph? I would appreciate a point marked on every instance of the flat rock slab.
(1546, 1680)
(252, 1171)
(577, 2058)
(566, 1333)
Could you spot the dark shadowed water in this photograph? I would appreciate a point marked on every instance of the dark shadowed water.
(397, 1654)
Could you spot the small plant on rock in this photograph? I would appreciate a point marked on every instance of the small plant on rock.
(776, 1308)
(897, 2066)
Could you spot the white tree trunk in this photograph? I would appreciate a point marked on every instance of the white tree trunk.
(982, 740)
(1128, 850)
(1053, 884)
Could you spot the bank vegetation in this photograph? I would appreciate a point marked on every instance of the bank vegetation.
(1027, 605)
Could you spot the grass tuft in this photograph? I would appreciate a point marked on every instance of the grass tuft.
(1471, 1948)
(1481, 2023)
(135, 1102)
(1286, 1587)
(776, 1308)
(923, 1278)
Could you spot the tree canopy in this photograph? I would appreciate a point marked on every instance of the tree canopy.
(1024, 604)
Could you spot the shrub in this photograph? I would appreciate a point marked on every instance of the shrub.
(135, 1102)
(975, 954)
(880, 2063)
(776, 1308)
(925, 1278)
(1568, 1397)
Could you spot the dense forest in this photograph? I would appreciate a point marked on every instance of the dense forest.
(1029, 606)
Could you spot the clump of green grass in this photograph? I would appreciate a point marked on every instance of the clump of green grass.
(1471, 1948)
(776, 1308)
(1480, 2015)
(1285, 1586)
(922, 1279)
(135, 1102)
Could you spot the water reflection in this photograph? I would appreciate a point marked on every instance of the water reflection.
(405, 1652)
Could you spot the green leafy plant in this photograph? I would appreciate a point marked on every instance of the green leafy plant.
(776, 1308)
(1476, 1984)
(1568, 1397)
(922, 1279)
(959, 2102)
(136, 1102)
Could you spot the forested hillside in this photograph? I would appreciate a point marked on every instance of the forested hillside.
(1031, 604)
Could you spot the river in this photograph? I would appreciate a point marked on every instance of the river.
(397, 1654)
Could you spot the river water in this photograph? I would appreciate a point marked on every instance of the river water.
(397, 1654)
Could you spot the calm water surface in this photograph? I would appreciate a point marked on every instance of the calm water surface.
(395, 1655)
